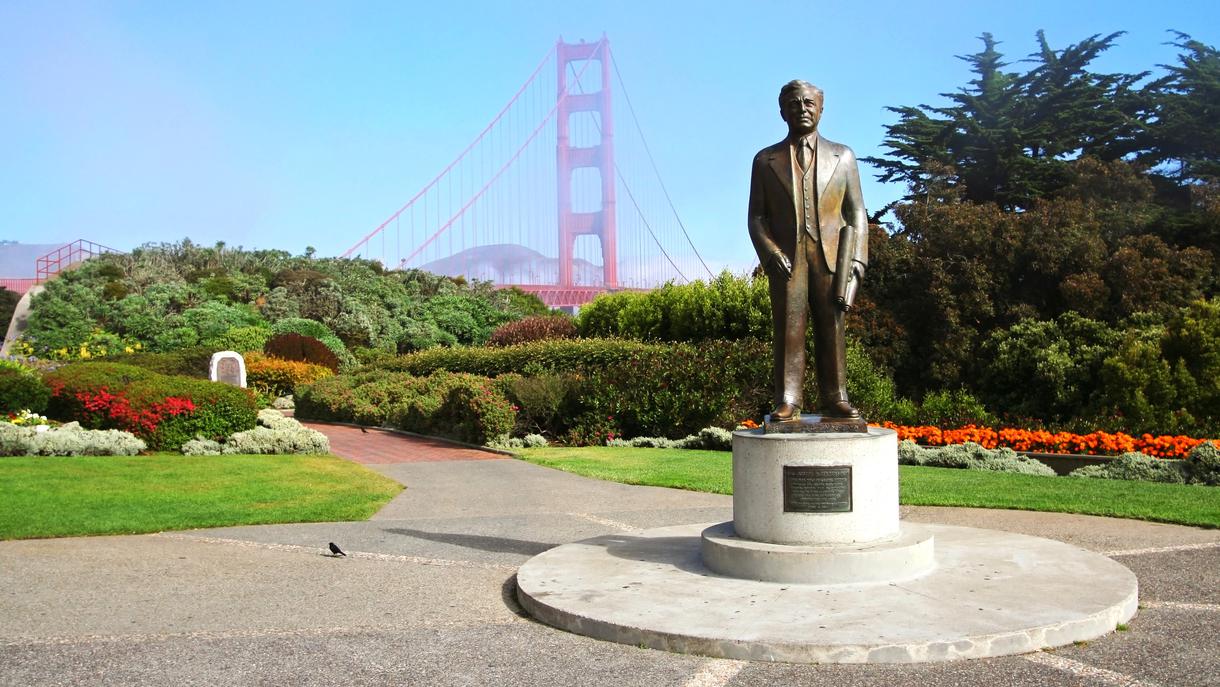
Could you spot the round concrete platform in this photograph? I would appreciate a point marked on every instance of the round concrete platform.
(991, 594)
(906, 556)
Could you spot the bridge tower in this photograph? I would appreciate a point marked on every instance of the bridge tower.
(600, 156)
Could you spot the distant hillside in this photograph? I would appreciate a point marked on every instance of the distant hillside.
(17, 260)
(507, 263)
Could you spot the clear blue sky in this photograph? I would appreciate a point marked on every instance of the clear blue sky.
(287, 124)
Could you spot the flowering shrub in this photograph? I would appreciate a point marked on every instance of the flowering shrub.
(1042, 441)
(102, 408)
(279, 377)
(165, 411)
(98, 344)
(24, 418)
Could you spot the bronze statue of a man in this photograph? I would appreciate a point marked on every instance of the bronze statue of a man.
(809, 227)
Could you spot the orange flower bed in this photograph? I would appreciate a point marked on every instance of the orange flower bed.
(1042, 441)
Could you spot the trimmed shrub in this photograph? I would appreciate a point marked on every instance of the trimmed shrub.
(971, 456)
(536, 328)
(279, 377)
(22, 389)
(165, 411)
(1136, 466)
(242, 339)
(628, 387)
(459, 406)
(546, 402)
(301, 348)
(316, 330)
(188, 362)
(67, 440)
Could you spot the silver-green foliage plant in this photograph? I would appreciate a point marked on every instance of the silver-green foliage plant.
(708, 439)
(274, 419)
(202, 447)
(1136, 466)
(506, 443)
(278, 434)
(278, 441)
(67, 440)
(971, 456)
(1203, 464)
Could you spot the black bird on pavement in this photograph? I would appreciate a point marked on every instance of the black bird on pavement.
(335, 550)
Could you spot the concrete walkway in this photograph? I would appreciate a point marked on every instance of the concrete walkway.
(426, 595)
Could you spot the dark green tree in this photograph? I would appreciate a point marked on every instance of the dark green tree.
(1007, 136)
(1184, 125)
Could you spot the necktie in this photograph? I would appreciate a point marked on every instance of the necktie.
(804, 154)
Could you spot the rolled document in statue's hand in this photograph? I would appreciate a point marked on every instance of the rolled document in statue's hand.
(845, 283)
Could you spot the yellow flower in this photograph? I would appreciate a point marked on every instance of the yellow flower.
(129, 349)
(84, 351)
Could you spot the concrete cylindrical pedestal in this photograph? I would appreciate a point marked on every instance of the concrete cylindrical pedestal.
(759, 477)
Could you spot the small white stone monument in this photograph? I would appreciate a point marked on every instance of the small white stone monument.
(228, 367)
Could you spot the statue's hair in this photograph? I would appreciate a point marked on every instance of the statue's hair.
(794, 86)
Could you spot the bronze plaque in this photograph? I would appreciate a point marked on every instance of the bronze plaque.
(817, 488)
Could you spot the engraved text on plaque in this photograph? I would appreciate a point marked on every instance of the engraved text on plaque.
(817, 489)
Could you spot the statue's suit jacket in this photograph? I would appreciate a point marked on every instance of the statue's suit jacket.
(773, 221)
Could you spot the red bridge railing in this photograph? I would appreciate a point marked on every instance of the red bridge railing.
(18, 286)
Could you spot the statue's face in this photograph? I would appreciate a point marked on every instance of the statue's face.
(802, 110)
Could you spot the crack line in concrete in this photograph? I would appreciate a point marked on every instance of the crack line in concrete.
(1084, 670)
(607, 522)
(231, 634)
(395, 558)
(1180, 606)
(1163, 549)
(716, 672)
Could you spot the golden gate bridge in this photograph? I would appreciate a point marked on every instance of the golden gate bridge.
(549, 196)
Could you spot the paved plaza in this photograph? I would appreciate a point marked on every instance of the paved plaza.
(426, 595)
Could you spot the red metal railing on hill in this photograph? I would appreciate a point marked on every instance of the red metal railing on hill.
(57, 260)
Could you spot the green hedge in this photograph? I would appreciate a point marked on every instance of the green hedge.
(187, 362)
(459, 406)
(220, 409)
(585, 390)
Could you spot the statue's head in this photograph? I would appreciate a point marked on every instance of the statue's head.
(800, 105)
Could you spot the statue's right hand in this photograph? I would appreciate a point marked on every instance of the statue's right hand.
(780, 263)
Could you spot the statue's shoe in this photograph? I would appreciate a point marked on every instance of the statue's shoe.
(784, 411)
(840, 409)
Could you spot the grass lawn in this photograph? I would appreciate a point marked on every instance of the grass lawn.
(57, 497)
(712, 471)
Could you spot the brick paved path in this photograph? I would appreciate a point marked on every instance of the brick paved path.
(380, 447)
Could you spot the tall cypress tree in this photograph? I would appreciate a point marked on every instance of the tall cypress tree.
(1006, 136)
